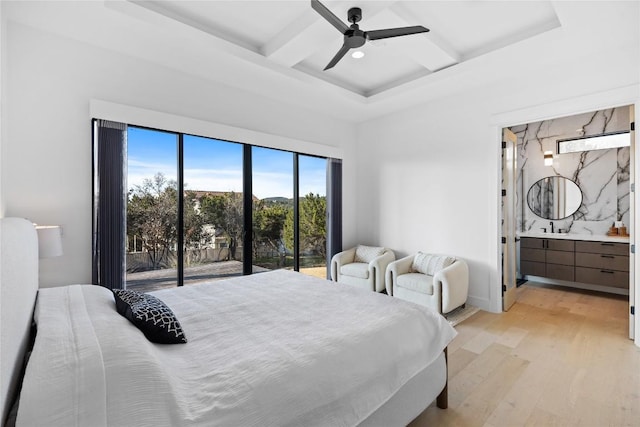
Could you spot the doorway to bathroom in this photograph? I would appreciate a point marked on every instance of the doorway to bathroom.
(567, 205)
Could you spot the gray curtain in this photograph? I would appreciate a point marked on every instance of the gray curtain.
(109, 203)
(334, 210)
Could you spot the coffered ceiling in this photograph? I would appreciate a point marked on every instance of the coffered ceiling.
(292, 35)
(278, 49)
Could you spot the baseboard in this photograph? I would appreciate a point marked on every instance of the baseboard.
(481, 303)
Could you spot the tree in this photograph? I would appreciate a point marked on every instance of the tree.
(313, 224)
(152, 215)
(268, 224)
(195, 232)
(224, 212)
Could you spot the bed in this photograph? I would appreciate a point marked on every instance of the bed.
(277, 348)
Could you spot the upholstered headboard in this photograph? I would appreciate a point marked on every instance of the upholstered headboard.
(18, 289)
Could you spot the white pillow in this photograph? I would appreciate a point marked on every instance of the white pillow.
(430, 264)
(367, 253)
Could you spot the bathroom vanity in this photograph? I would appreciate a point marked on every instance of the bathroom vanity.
(585, 261)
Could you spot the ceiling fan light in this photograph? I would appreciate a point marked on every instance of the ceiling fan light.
(357, 54)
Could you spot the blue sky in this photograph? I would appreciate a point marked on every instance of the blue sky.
(214, 165)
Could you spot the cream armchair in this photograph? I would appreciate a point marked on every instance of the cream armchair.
(362, 266)
(437, 281)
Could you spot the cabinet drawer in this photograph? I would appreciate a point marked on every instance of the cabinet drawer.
(561, 245)
(528, 254)
(602, 277)
(560, 272)
(607, 262)
(560, 257)
(603, 248)
(532, 268)
(557, 245)
(531, 242)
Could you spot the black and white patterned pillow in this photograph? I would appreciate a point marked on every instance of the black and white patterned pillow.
(149, 314)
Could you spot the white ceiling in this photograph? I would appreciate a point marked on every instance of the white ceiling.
(292, 34)
(278, 49)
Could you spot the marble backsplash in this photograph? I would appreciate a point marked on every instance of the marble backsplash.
(602, 175)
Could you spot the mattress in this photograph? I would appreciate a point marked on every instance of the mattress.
(277, 348)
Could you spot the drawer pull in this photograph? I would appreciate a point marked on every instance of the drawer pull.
(607, 256)
(607, 271)
(607, 244)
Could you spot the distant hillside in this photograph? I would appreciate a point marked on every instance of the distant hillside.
(280, 200)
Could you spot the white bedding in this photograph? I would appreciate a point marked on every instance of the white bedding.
(276, 348)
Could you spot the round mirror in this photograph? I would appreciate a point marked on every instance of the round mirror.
(554, 197)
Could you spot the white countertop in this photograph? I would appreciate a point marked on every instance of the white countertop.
(570, 236)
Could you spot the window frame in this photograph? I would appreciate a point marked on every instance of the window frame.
(247, 175)
(601, 135)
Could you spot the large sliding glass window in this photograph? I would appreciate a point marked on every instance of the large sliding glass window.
(152, 209)
(213, 211)
(312, 215)
(191, 199)
(272, 174)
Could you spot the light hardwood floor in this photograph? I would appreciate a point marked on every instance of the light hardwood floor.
(559, 357)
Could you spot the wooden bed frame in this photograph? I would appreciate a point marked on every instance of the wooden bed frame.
(19, 286)
(442, 401)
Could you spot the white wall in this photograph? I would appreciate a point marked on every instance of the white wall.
(2, 86)
(428, 178)
(46, 155)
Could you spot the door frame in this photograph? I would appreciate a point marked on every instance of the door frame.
(508, 225)
(627, 95)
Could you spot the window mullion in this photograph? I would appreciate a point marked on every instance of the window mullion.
(247, 200)
(180, 194)
(296, 213)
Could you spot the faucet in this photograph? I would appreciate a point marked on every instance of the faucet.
(551, 222)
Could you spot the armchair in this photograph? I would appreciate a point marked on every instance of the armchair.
(362, 266)
(436, 281)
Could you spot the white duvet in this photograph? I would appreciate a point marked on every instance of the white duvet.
(270, 349)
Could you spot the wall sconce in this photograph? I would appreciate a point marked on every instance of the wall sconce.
(548, 158)
(49, 241)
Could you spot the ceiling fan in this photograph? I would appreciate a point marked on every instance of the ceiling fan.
(353, 35)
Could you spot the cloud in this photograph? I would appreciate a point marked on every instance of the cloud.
(265, 183)
(213, 180)
(139, 171)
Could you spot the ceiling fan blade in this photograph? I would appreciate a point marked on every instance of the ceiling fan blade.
(395, 32)
(342, 52)
(329, 16)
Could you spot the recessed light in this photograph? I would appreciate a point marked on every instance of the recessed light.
(357, 54)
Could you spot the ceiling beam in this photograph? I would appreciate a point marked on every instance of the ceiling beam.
(404, 13)
(297, 40)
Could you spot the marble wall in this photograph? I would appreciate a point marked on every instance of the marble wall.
(601, 175)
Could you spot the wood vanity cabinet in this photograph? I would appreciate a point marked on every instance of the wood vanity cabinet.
(596, 263)
(603, 263)
(550, 258)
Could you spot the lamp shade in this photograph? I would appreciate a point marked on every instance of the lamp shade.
(548, 158)
(49, 241)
